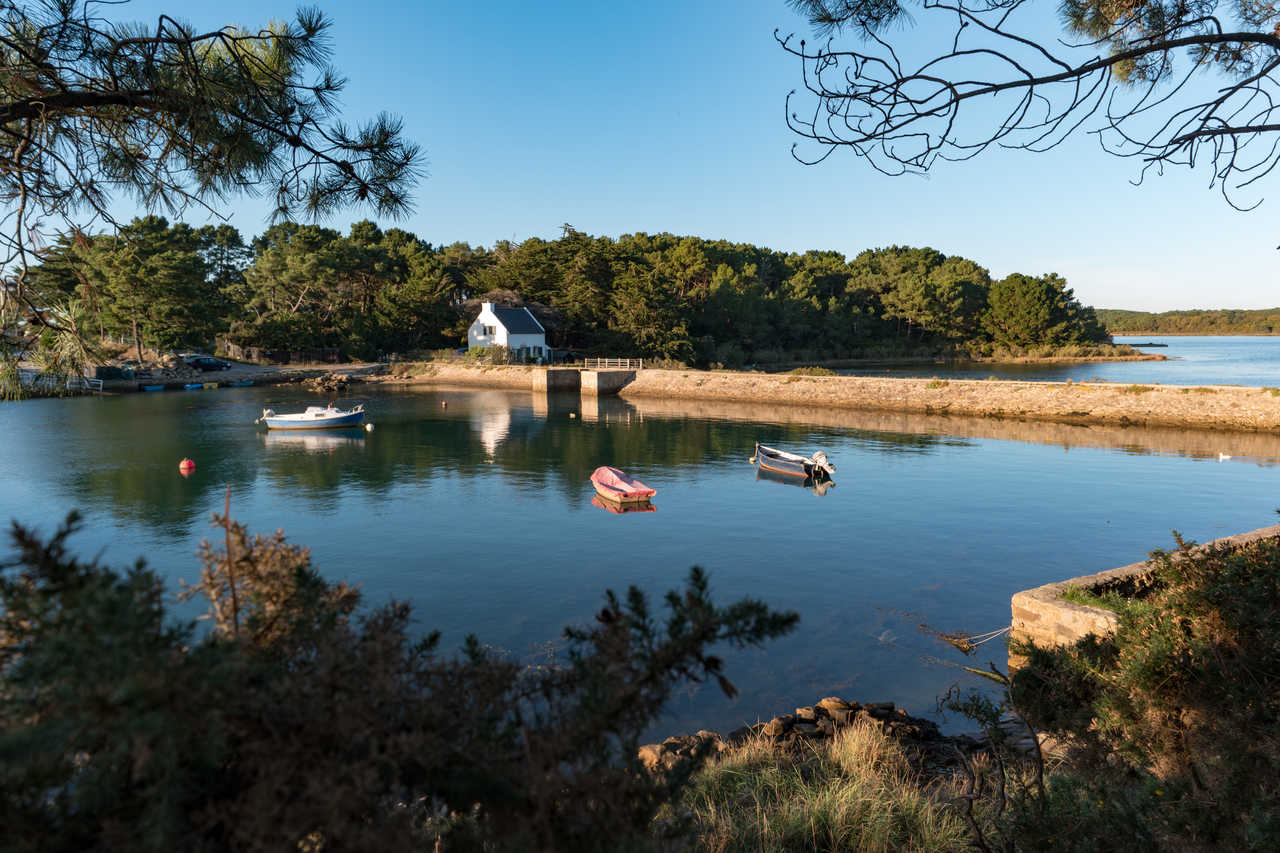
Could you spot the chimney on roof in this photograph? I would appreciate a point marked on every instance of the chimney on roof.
(486, 306)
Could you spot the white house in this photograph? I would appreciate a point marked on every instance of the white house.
(514, 328)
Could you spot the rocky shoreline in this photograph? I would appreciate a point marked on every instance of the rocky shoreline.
(173, 376)
(932, 752)
(1204, 407)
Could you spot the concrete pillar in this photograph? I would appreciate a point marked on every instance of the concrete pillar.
(556, 379)
(605, 381)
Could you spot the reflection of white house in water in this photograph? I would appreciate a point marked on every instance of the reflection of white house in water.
(493, 425)
(514, 328)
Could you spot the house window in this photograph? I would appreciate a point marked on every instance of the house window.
(490, 330)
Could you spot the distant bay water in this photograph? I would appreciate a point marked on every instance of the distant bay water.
(480, 514)
(1193, 360)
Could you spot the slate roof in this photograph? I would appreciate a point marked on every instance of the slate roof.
(518, 321)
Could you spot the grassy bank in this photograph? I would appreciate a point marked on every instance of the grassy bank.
(860, 792)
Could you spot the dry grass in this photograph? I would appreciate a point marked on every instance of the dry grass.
(860, 793)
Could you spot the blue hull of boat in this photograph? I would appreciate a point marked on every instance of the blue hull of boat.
(350, 420)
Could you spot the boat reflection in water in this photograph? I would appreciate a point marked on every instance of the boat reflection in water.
(314, 441)
(622, 509)
(819, 487)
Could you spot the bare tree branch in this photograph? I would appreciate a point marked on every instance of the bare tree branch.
(988, 84)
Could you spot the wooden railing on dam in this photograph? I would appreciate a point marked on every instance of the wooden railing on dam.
(613, 363)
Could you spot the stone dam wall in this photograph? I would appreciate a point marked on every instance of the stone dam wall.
(1042, 616)
(1218, 408)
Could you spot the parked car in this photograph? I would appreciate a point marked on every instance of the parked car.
(205, 363)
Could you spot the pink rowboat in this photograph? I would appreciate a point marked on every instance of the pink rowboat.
(620, 508)
(616, 487)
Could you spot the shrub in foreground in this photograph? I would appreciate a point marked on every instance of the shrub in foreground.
(1172, 724)
(303, 722)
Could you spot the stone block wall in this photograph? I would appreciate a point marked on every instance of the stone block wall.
(557, 379)
(1042, 616)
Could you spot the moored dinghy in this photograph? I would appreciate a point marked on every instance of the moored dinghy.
(616, 487)
(315, 417)
(620, 508)
(817, 466)
(818, 487)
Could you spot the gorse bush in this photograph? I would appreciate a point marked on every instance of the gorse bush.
(303, 721)
(1178, 714)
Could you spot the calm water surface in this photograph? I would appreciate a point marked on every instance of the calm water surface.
(1193, 360)
(480, 514)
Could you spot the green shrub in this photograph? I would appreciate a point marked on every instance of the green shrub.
(489, 355)
(1178, 713)
(936, 383)
(302, 721)
(666, 364)
(813, 371)
(1109, 599)
(730, 355)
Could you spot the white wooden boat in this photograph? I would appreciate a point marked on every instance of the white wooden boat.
(817, 466)
(819, 487)
(315, 417)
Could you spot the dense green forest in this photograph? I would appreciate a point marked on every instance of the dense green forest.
(1221, 321)
(704, 302)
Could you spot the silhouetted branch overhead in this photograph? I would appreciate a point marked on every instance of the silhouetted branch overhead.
(1161, 82)
(91, 110)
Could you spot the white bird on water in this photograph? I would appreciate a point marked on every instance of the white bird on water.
(1222, 457)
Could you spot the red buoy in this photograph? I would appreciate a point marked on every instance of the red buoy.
(186, 467)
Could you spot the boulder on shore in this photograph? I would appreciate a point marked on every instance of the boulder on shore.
(331, 382)
(813, 724)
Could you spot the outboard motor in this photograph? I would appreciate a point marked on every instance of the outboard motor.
(821, 466)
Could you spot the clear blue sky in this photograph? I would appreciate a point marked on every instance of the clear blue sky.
(669, 116)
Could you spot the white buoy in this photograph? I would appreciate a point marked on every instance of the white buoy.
(368, 427)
